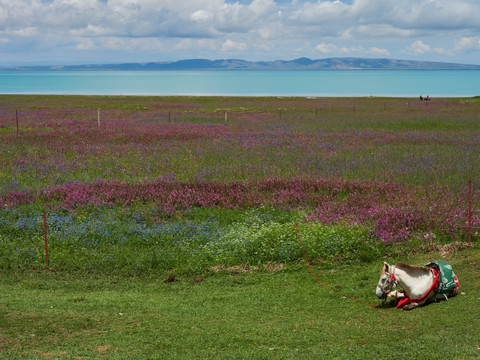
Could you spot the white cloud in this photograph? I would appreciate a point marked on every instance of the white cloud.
(91, 31)
(201, 15)
(326, 48)
(329, 48)
(468, 43)
(25, 32)
(230, 45)
(418, 47)
(243, 18)
(380, 31)
(378, 51)
(384, 18)
(322, 12)
(118, 43)
(138, 17)
(167, 17)
(266, 28)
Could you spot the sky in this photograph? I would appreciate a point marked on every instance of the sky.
(64, 32)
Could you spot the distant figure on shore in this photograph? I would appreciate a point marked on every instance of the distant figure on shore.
(427, 98)
(421, 97)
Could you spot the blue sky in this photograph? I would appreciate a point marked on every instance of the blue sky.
(116, 31)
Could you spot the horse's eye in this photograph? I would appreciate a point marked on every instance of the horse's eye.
(383, 280)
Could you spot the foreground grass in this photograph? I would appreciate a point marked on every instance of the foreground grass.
(232, 315)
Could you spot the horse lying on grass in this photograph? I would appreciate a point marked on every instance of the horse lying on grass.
(421, 284)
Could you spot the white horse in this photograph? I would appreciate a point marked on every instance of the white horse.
(421, 284)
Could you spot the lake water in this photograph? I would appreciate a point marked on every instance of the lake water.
(401, 83)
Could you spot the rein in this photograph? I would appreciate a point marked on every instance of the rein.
(318, 280)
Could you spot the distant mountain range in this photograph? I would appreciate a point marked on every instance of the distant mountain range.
(238, 64)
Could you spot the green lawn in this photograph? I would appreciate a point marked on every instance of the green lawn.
(281, 314)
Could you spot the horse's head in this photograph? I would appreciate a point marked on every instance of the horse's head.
(387, 281)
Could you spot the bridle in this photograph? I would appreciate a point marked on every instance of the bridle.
(389, 284)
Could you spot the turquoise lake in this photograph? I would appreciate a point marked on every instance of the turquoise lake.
(315, 83)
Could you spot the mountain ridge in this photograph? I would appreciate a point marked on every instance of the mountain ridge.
(302, 63)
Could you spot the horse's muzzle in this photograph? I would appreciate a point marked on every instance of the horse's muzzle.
(380, 293)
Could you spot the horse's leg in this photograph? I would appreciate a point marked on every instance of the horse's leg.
(431, 299)
(438, 297)
(395, 297)
(411, 306)
(396, 294)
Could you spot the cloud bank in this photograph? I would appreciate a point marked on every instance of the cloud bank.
(69, 31)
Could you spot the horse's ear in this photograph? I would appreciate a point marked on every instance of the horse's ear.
(386, 267)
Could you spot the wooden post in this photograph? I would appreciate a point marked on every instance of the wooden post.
(98, 118)
(469, 212)
(169, 117)
(45, 233)
(226, 117)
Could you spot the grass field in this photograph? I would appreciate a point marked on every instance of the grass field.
(279, 314)
(209, 190)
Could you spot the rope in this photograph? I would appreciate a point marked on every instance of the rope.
(318, 280)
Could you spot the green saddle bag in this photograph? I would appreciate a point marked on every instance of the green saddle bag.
(448, 281)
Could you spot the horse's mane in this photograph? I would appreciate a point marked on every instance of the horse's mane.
(406, 267)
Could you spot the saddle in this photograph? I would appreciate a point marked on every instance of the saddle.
(448, 281)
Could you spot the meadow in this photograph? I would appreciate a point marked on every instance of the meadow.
(209, 190)
(176, 180)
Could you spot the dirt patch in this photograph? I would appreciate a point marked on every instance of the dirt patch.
(247, 268)
(170, 279)
(103, 349)
(273, 267)
(453, 247)
(49, 355)
(444, 250)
